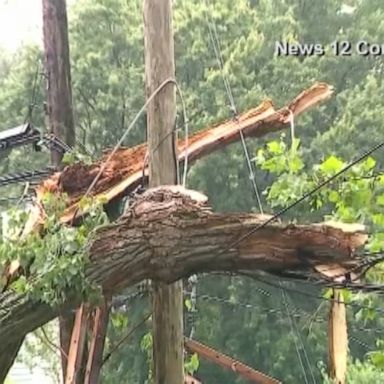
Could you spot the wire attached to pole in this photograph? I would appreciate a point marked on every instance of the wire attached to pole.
(220, 60)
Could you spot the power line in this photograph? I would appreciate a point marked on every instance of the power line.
(219, 57)
(186, 133)
(359, 342)
(306, 195)
(319, 297)
(32, 103)
(299, 337)
(305, 293)
(21, 177)
(125, 134)
(363, 287)
(295, 311)
(363, 265)
(12, 198)
(294, 338)
(123, 339)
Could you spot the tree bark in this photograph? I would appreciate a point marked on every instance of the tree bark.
(170, 233)
(58, 72)
(8, 356)
(60, 110)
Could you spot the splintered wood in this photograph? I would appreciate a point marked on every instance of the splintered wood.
(227, 362)
(124, 171)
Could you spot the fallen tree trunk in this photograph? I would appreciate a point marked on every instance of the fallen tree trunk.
(8, 357)
(124, 171)
(170, 233)
(122, 174)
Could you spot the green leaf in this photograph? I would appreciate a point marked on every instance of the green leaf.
(380, 200)
(377, 359)
(119, 320)
(188, 304)
(275, 147)
(328, 293)
(192, 365)
(369, 164)
(296, 164)
(331, 165)
(333, 196)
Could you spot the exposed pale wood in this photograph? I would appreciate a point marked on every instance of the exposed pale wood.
(96, 348)
(122, 175)
(166, 236)
(167, 299)
(76, 349)
(124, 171)
(338, 338)
(65, 331)
(191, 380)
(227, 362)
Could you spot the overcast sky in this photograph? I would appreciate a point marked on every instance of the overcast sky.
(20, 20)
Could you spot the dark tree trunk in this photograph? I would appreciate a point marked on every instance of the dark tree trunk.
(60, 111)
(58, 72)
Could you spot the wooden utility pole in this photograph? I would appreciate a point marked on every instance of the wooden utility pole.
(59, 109)
(161, 116)
(58, 72)
(338, 338)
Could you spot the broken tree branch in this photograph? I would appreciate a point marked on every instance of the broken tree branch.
(170, 233)
(124, 171)
(227, 362)
(140, 251)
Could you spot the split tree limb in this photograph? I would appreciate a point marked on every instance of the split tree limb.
(96, 347)
(229, 363)
(18, 316)
(170, 233)
(77, 345)
(124, 172)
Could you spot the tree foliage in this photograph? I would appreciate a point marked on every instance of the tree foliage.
(241, 317)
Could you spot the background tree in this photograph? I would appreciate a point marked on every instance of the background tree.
(106, 40)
